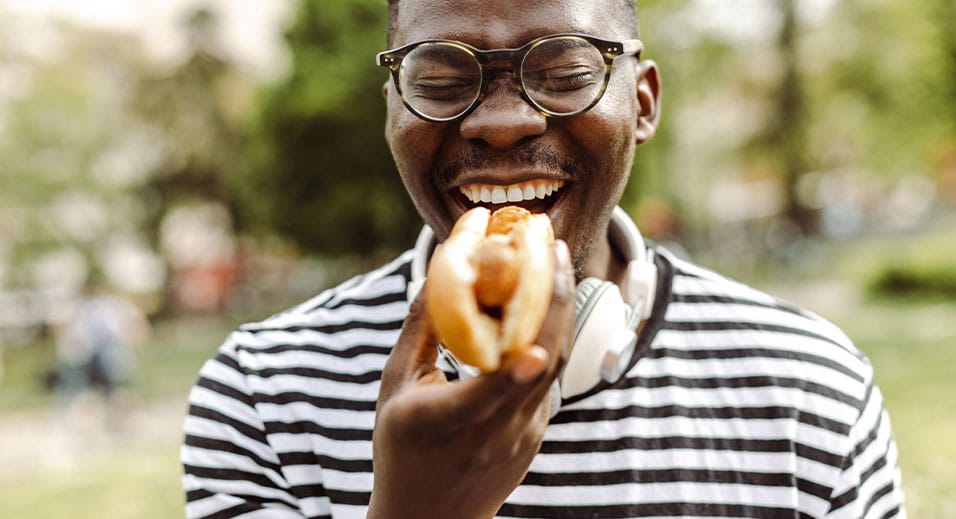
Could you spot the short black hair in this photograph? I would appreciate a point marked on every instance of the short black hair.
(628, 12)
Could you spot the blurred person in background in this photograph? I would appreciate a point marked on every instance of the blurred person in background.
(730, 403)
(94, 354)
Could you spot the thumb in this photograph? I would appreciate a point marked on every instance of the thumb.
(415, 353)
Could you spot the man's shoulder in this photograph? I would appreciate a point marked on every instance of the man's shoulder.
(374, 301)
(724, 309)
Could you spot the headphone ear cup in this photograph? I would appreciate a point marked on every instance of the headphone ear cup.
(587, 291)
(601, 316)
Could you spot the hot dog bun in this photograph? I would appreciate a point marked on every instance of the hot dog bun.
(489, 284)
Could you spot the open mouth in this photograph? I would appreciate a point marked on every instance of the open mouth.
(537, 196)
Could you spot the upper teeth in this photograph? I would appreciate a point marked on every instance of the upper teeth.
(492, 194)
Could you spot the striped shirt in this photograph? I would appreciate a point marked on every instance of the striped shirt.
(736, 405)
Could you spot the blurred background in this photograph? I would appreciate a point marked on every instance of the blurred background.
(169, 169)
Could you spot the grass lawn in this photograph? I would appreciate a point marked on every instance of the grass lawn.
(137, 482)
(911, 342)
(166, 366)
(913, 348)
(91, 473)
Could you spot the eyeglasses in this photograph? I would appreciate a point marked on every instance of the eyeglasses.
(559, 75)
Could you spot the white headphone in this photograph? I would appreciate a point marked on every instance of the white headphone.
(605, 329)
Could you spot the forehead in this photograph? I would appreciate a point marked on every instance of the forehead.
(504, 23)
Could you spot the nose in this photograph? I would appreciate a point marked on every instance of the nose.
(503, 119)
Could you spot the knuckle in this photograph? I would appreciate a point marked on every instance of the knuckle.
(563, 293)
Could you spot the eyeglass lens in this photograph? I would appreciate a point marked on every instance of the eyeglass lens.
(561, 75)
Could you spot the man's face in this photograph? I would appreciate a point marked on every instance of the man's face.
(504, 143)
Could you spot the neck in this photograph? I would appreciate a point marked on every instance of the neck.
(606, 262)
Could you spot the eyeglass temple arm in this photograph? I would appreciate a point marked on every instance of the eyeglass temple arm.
(382, 59)
(632, 46)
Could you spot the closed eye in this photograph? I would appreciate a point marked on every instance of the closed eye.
(561, 79)
(442, 87)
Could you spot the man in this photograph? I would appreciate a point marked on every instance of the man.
(731, 405)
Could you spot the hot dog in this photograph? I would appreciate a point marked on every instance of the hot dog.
(489, 284)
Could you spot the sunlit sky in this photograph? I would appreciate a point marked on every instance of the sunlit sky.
(250, 29)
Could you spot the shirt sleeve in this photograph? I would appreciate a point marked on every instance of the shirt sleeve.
(229, 468)
(869, 485)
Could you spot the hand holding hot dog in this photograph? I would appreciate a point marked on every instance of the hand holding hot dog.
(458, 449)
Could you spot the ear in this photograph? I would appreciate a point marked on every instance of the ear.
(648, 99)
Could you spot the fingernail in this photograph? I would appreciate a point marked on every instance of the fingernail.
(564, 255)
(564, 279)
(529, 365)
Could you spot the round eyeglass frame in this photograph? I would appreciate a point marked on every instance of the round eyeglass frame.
(610, 50)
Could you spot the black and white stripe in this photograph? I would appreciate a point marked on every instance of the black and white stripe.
(739, 406)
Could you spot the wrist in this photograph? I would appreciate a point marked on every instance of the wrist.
(377, 510)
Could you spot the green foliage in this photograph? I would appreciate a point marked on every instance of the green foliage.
(877, 86)
(883, 103)
(53, 134)
(649, 178)
(65, 143)
(320, 171)
(923, 268)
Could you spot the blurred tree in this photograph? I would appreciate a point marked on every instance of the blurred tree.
(320, 171)
(652, 194)
(787, 89)
(104, 144)
(195, 110)
(946, 14)
(189, 110)
(67, 184)
(786, 131)
(883, 90)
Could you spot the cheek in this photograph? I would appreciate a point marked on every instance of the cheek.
(610, 148)
(616, 140)
(415, 146)
(619, 107)
(619, 119)
(396, 129)
(406, 137)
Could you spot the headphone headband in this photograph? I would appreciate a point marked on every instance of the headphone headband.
(622, 232)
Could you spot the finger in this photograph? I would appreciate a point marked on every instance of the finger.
(526, 366)
(554, 339)
(555, 333)
(414, 354)
(462, 403)
(491, 396)
(535, 392)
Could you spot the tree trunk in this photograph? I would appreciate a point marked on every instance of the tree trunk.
(790, 135)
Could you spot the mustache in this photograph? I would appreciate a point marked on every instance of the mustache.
(531, 156)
